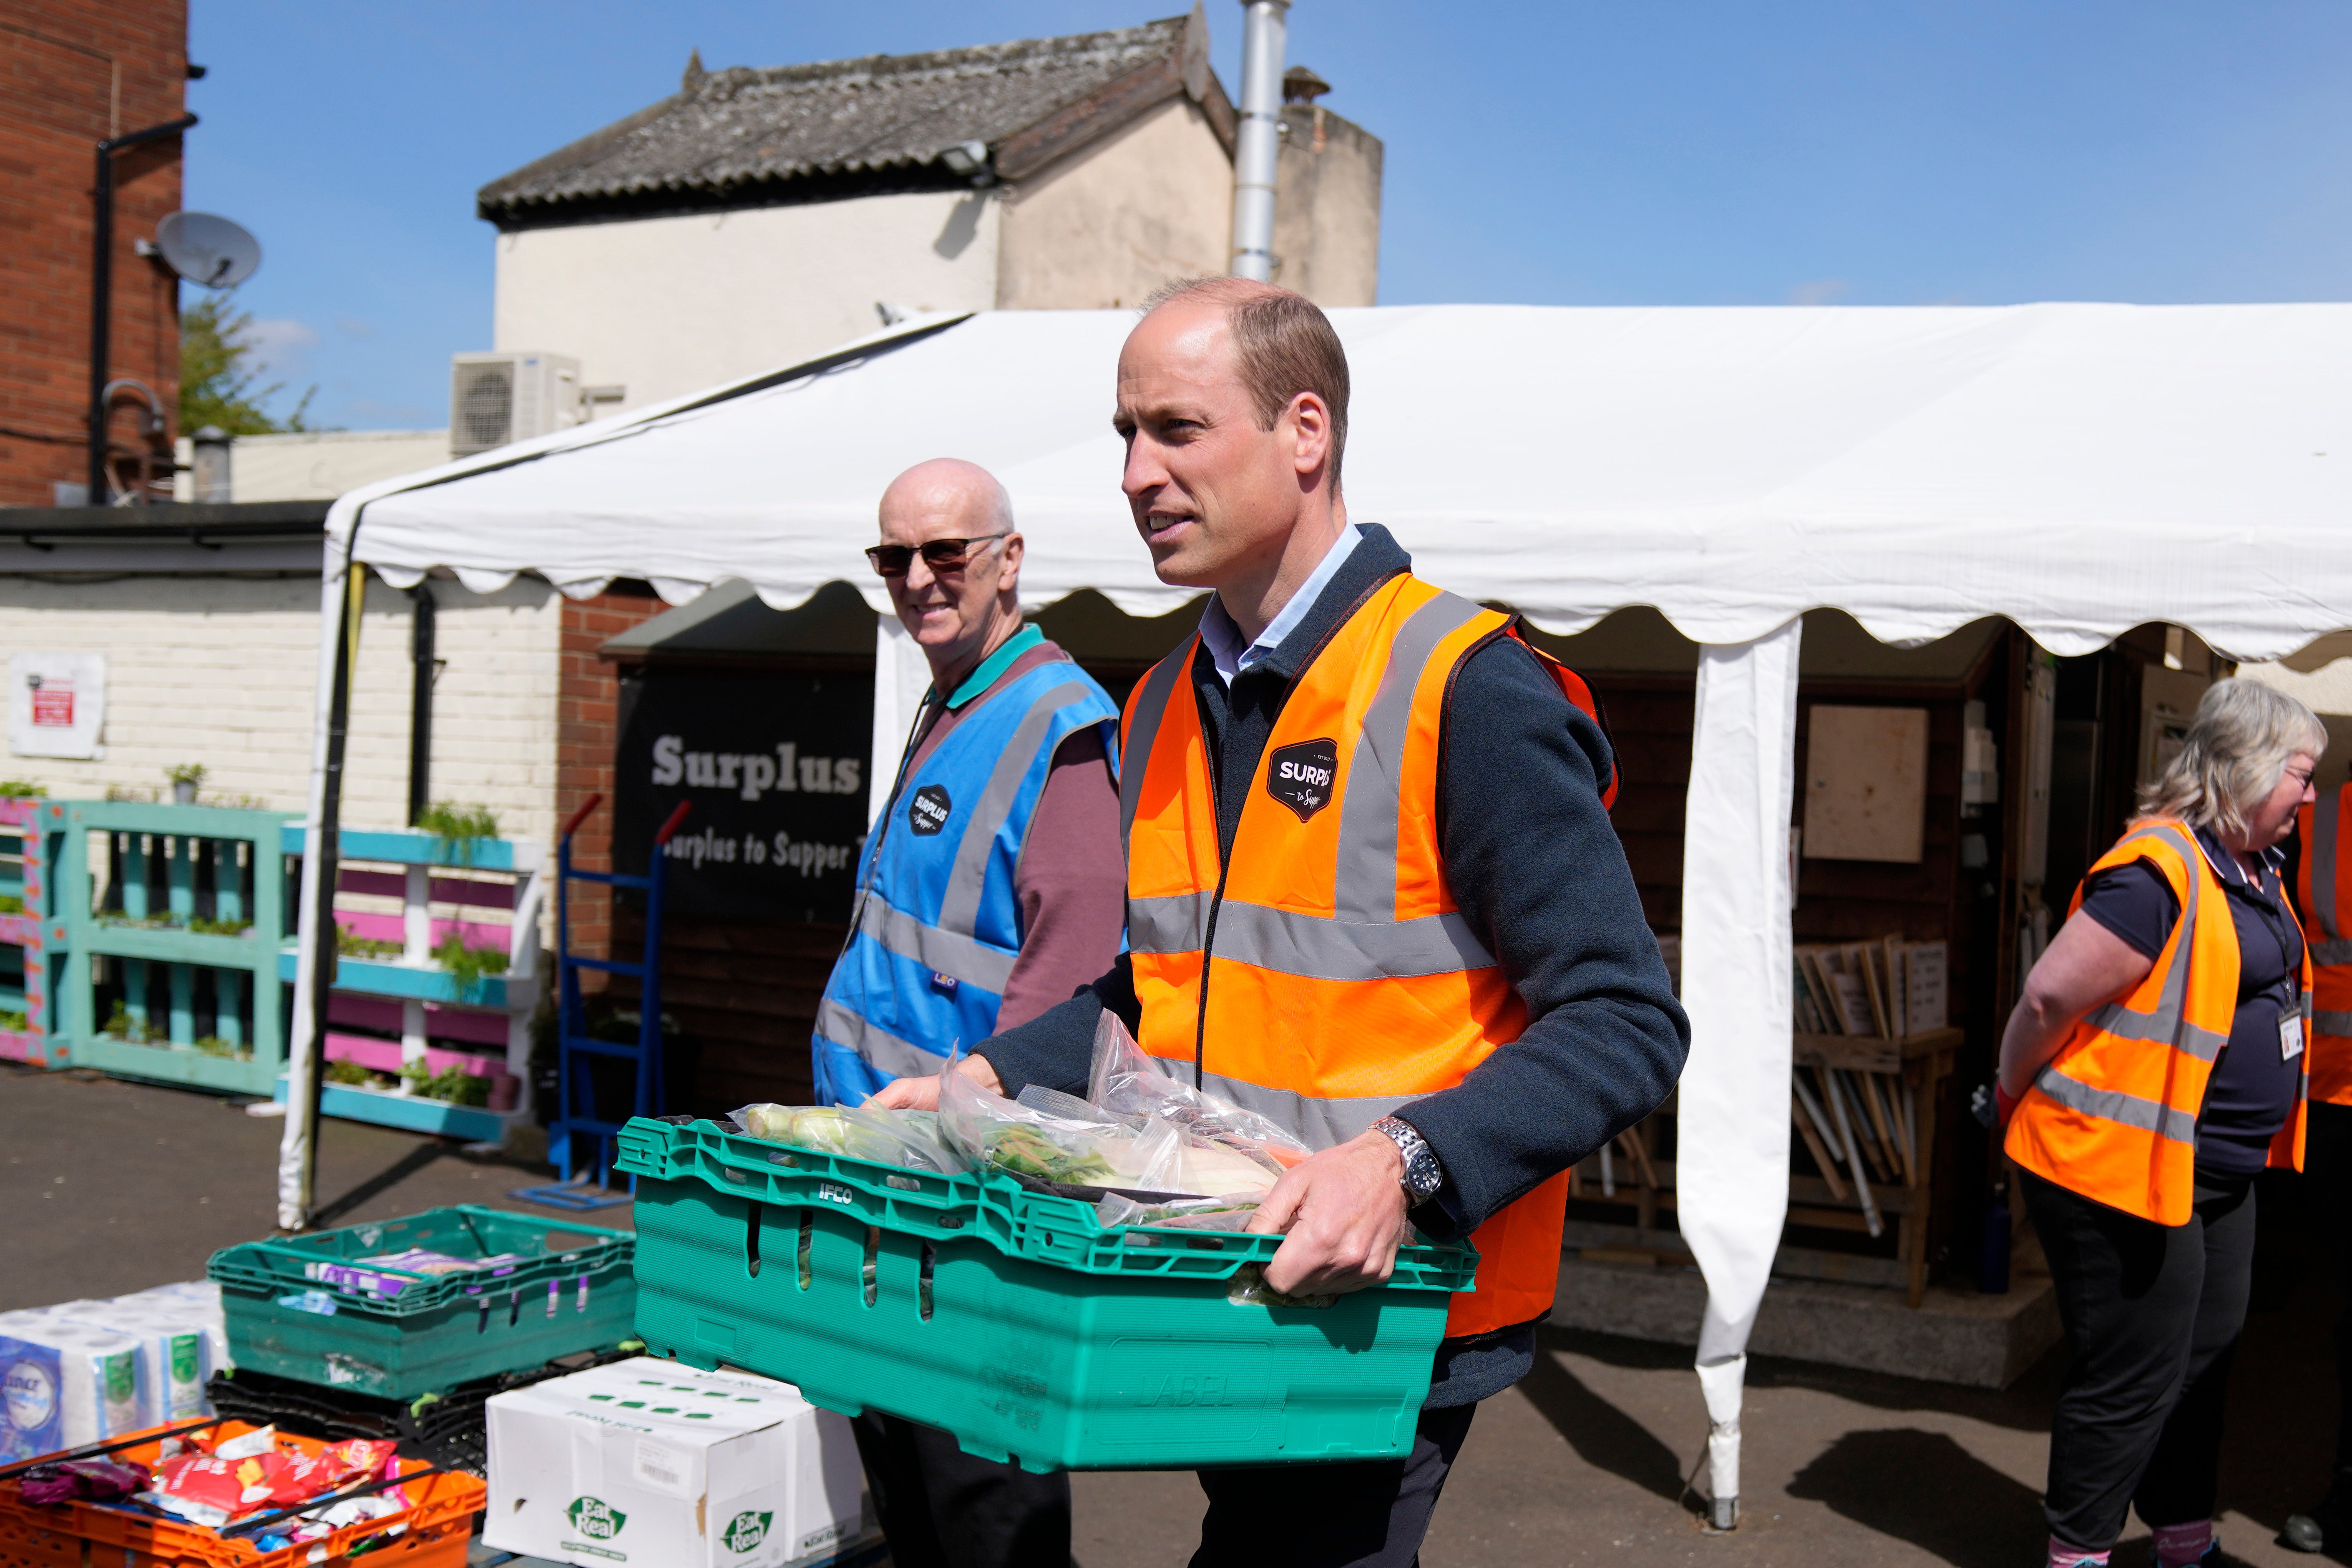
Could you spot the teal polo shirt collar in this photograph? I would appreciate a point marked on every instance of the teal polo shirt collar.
(994, 665)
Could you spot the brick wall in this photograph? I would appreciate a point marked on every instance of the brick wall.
(73, 72)
(587, 729)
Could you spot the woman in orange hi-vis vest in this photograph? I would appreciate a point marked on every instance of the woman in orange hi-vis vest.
(2323, 896)
(2152, 1069)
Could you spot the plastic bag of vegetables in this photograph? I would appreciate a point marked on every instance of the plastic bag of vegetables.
(990, 1130)
(908, 1139)
(1126, 1081)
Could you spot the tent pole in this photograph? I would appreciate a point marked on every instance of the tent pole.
(1733, 1180)
(342, 594)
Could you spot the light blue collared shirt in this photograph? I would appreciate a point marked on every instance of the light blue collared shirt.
(1223, 638)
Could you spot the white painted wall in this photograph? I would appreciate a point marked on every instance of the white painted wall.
(316, 465)
(222, 672)
(1115, 220)
(667, 306)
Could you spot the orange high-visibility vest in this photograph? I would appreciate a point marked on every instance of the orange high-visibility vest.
(2324, 890)
(1324, 977)
(2113, 1115)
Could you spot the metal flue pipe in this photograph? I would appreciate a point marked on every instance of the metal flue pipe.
(1265, 34)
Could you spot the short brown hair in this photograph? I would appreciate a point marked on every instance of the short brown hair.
(1286, 346)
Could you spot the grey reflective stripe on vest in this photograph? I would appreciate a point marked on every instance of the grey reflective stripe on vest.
(2114, 1105)
(1136, 758)
(2325, 817)
(952, 953)
(1310, 946)
(1178, 922)
(2339, 950)
(884, 1051)
(2325, 1022)
(1318, 1124)
(968, 879)
(2168, 1025)
(1314, 947)
(1364, 884)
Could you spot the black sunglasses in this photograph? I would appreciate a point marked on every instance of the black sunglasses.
(939, 554)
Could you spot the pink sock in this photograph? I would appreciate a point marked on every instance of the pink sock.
(2183, 1545)
(2064, 1556)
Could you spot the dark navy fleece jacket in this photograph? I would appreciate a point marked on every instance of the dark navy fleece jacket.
(1536, 867)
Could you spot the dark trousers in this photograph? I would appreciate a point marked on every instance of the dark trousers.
(1370, 1514)
(2327, 1178)
(2153, 1314)
(943, 1507)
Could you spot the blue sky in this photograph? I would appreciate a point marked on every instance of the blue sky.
(1697, 152)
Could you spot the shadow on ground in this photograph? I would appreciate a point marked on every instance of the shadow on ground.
(1923, 1488)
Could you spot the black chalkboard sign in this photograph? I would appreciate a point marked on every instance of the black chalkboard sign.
(777, 769)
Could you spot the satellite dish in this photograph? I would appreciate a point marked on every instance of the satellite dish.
(207, 250)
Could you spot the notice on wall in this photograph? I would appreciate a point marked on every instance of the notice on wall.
(56, 704)
(774, 767)
(1865, 784)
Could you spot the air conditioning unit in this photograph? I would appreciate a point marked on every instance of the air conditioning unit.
(495, 398)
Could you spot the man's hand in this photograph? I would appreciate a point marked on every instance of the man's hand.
(1341, 1217)
(923, 1093)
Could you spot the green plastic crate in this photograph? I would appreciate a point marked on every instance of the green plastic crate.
(331, 1260)
(575, 1295)
(1013, 1319)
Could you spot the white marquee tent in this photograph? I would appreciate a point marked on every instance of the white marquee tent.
(2081, 469)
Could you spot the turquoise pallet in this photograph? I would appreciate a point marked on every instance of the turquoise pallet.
(250, 885)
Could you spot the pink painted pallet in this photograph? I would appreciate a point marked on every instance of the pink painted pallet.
(23, 878)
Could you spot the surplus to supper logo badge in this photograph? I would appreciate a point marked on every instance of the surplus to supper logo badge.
(927, 812)
(1300, 776)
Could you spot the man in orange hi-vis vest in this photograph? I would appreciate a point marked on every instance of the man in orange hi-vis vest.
(1373, 893)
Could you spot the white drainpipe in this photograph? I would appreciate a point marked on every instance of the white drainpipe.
(1265, 25)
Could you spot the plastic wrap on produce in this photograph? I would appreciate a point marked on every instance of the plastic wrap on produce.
(908, 1138)
(1128, 1081)
(990, 1129)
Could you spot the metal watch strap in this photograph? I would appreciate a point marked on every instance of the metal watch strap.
(1422, 1174)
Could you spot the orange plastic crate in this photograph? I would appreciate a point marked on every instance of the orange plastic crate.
(439, 1525)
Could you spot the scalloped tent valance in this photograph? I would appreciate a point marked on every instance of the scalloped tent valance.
(2079, 469)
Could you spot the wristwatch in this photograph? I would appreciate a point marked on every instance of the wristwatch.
(1422, 1174)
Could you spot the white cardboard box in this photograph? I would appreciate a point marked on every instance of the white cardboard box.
(650, 1462)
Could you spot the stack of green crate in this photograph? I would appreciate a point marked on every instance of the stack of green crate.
(325, 1309)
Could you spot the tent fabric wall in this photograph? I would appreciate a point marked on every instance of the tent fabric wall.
(2079, 469)
(1733, 1122)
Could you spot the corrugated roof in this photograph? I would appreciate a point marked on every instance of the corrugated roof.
(735, 134)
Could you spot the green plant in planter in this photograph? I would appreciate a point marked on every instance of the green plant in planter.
(122, 1026)
(185, 773)
(10, 904)
(348, 1072)
(22, 789)
(349, 943)
(17, 1023)
(226, 928)
(467, 966)
(458, 829)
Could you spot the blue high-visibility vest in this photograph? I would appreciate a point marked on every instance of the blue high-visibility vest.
(938, 920)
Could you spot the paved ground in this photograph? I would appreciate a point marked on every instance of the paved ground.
(112, 1186)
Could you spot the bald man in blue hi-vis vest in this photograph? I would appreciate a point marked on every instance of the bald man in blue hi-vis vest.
(991, 888)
